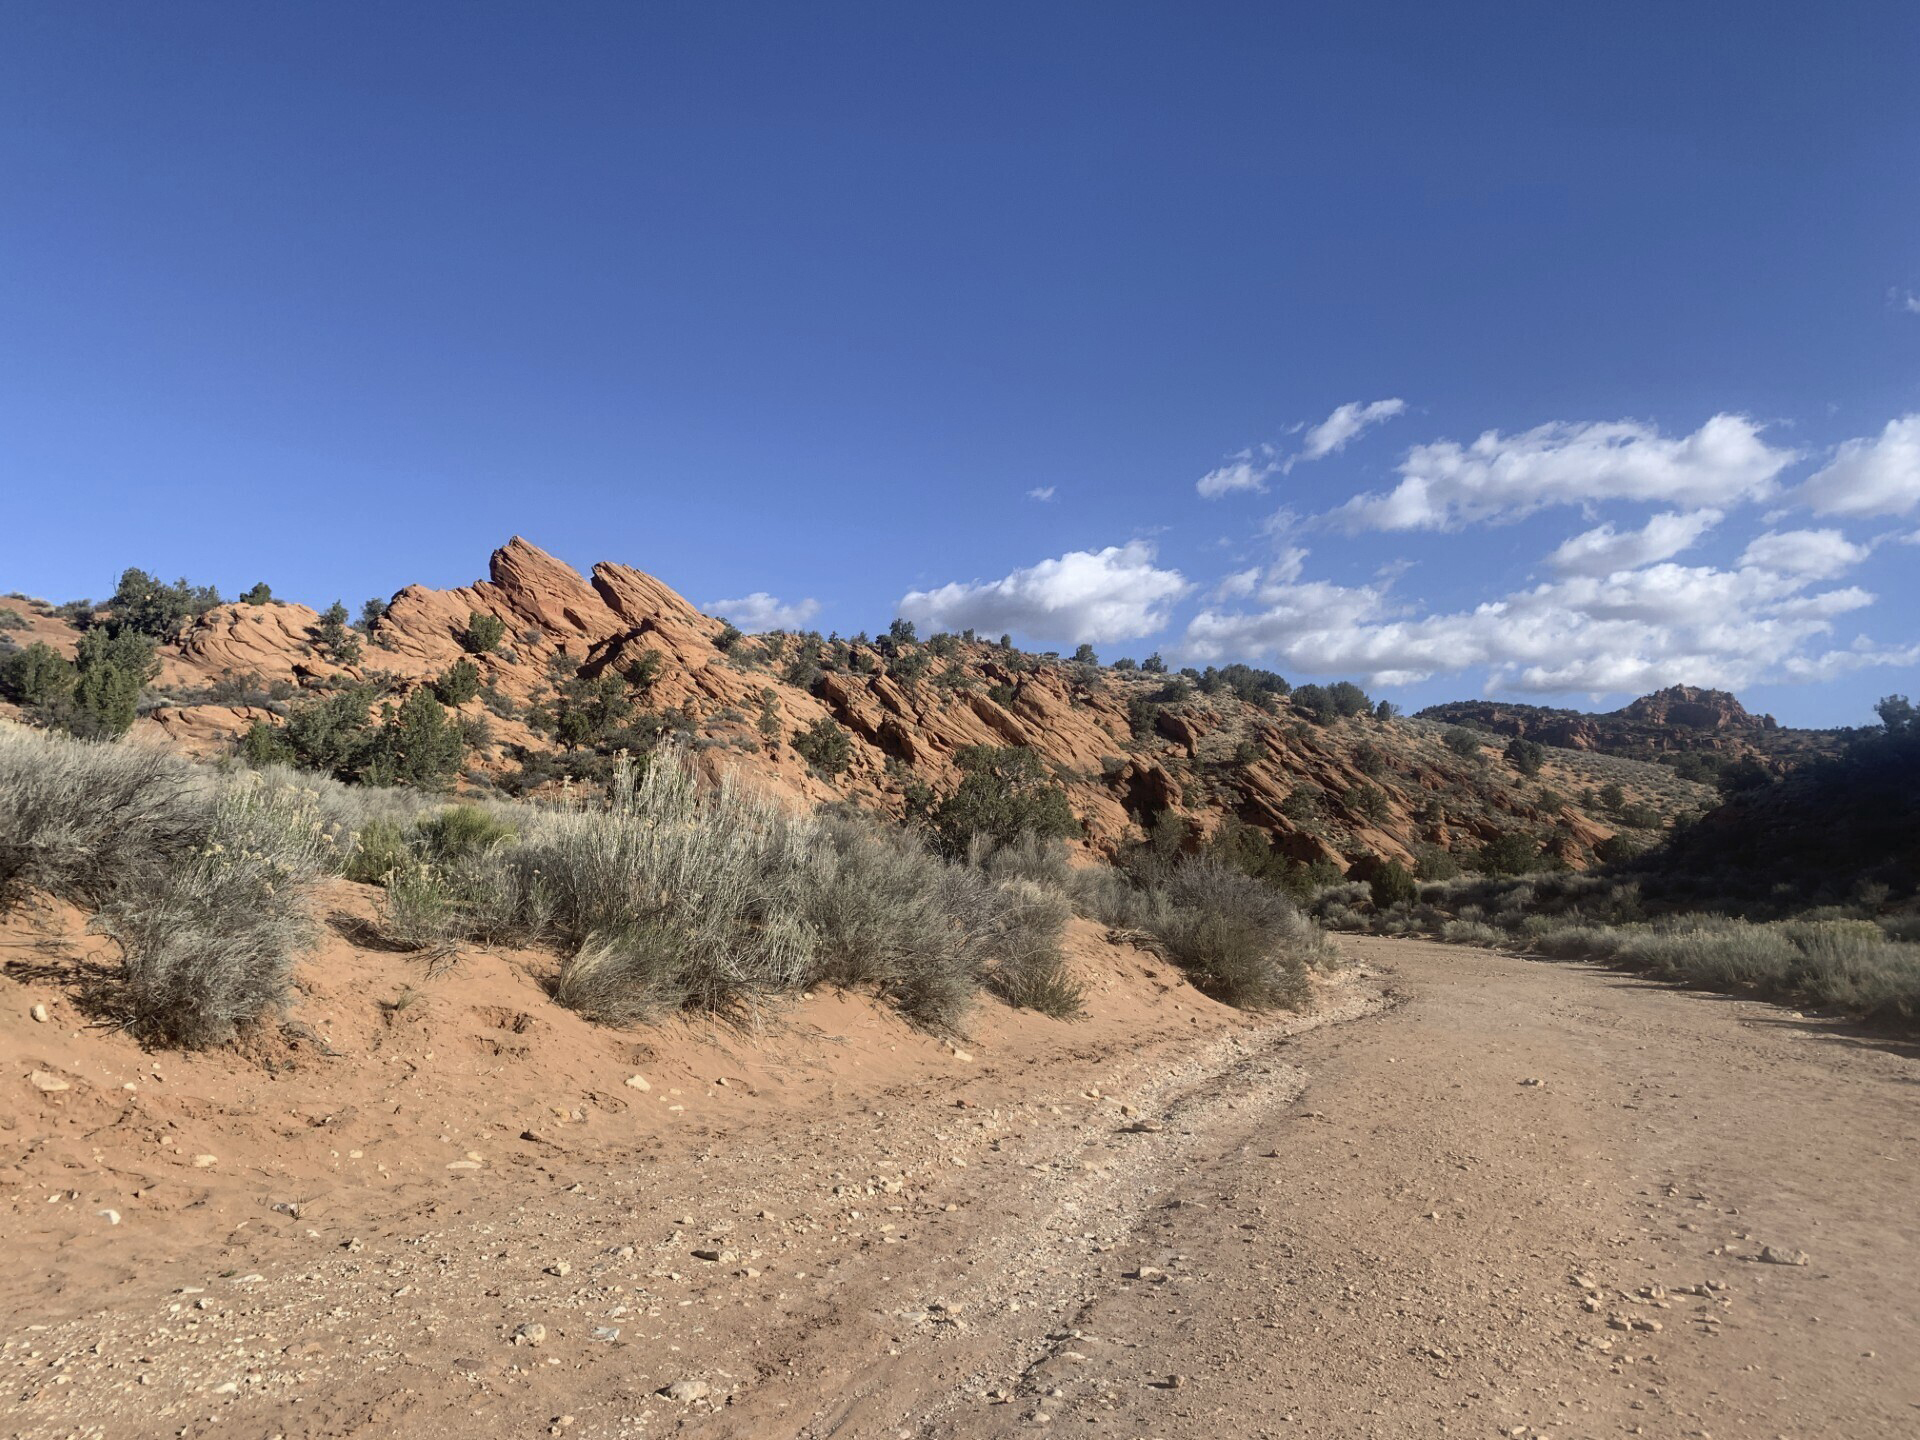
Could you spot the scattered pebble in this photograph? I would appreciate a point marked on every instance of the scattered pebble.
(688, 1391)
(39, 1011)
(1771, 1256)
(637, 1082)
(50, 1084)
(532, 1333)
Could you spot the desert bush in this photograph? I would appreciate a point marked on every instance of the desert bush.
(1021, 949)
(260, 594)
(1469, 932)
(1239, 940)
(418, 907)
(1461, 741)
(671, 896)
(887, 915)
(1028, 856)
(11, 619)
(376, 850)
(210, 947)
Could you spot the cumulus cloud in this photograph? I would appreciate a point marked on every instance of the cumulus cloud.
(1879, 475)
(1501, 477)
(761, 611)
(1085, 595)
(1332, 434)
(1603, 550)
(1042, 493)
(1816, 554)
(1635, 630)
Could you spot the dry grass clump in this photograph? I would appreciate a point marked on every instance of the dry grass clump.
(210, 948)
(887, 914)
(203, 880)
(670, 896)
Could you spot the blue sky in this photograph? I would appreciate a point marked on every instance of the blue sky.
(1551, 351)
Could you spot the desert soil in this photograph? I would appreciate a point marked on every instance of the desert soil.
(1472, 1194)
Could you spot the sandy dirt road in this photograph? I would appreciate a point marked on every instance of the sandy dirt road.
(1477, 1195)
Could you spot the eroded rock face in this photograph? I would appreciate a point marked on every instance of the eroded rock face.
(1207, 760)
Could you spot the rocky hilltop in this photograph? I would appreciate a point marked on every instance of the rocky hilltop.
(1678, 720)
(1130, 747)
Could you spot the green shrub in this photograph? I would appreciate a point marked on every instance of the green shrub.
(730, 635)
(1392, 884)
(1463, 742)
(1004, 793)
(462, 831)
(37, 675)
(458, 683)
(483, 634)
(645, 670)
(379, 848)
(825, 746)
(261, 594)
(11, 619)
(1369, 802)
(1431, 862)
(416, 744)
(146, 606)
(1512, 853)
(1526, 756)
(111, 669)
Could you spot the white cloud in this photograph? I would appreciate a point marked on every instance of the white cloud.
(1238, 586)
(1904, 300)
(761, 611)
(1603, 550)
(1244, 471)
(1085, 595)
(1250, 469)
(1816, 554)
(1499, 477)
(1041, 493)
(1259, 582)
(1332, 434)
(1630, 631)
(1877, 476)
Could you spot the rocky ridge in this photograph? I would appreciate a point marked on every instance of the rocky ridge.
(1128, 747)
